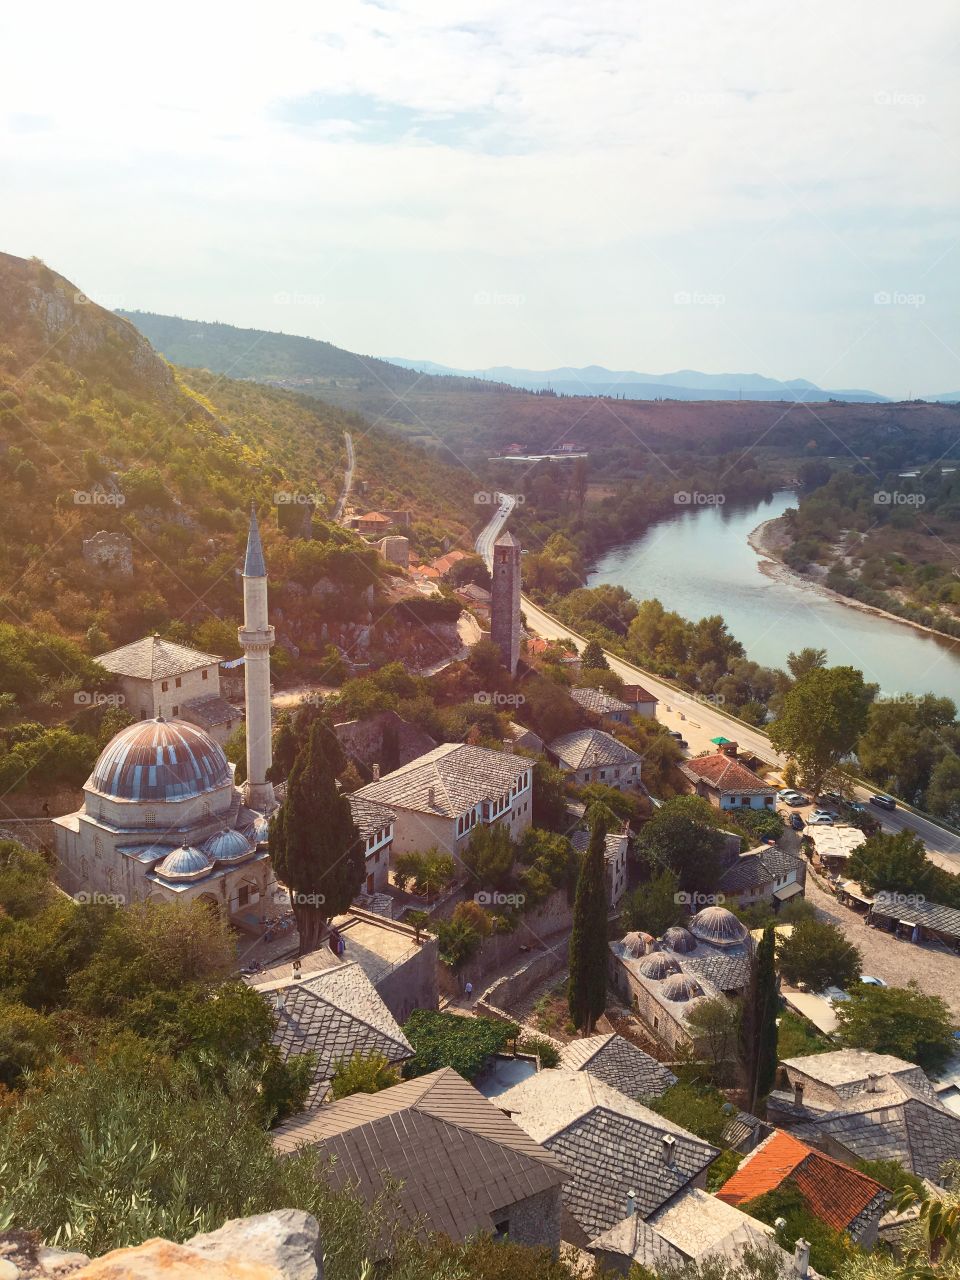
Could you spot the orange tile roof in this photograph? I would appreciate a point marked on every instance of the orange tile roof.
(835, 1193)
(725, 774)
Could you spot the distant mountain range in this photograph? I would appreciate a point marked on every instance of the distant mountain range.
(685, 384)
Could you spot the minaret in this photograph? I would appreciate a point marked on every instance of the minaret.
(505, 600)
(256, 637)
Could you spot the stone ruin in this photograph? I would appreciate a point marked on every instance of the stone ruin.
(109, 552)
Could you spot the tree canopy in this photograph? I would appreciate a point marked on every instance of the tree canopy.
(820, 721)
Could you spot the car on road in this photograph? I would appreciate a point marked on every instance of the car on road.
(882, 801)
(796, 822)
(820, 818)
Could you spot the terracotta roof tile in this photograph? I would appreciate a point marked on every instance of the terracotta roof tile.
(835, 1193)
(725, 774)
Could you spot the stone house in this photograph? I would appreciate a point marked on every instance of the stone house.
(615, 860)
(592, 755)
(596, 702)
(456, 1163)
(375, 824)
(162, 678)
(727, 782)
(765, 874)
(441, 797)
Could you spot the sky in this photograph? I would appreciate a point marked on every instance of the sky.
(738, 186)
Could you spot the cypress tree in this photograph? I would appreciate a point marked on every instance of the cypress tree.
(587, 992)
(593, 657)
(759, 1022)
(314, 843)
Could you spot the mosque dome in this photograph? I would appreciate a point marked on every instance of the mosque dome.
(259, 830)
(637, 943)
(679, 939)
(159, 760)
(228, 845)
(185, 863)
(718, 926)
(659, 966)
(681, 987)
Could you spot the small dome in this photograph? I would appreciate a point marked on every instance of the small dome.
(681, 987)
(228, 845)
(717, 926)
(680, 940)
(185, 863)
(160, 760)
(659, 966)
(637, 944)
(258, 832)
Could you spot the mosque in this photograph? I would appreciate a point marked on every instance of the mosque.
(162, 817)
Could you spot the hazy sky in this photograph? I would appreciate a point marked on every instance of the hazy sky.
(654, 186)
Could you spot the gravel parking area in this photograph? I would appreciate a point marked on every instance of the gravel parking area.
(935, 969)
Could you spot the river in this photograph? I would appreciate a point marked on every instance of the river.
(699, 562)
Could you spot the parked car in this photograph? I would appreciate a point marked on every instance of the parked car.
(795, 800)
(832, 797)
(872, 982)
(856, 807)
(675, 733)
(883, 802)
(820, 818)
(796, 822)
(787, 791)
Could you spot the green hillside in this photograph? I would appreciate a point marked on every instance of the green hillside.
(99, 433)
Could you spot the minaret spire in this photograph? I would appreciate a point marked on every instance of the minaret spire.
(256, 637)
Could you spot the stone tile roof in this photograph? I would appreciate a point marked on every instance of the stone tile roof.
(726, 775)
(847, 1071)
(620, 1064)
(740, 1127)
(333, 1014)
(458, 1159)
(590, 748)
(757, 867)
(692, 1226)
(834, 1193)
(461, 776)
(598, 702)
(931, 915)
(209, 711)
(727, 970)
(369, 816)
(913, 1128)
(614, 843)
(610, 1144)
(154, 659)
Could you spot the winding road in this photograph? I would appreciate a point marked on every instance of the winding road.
(699, 720)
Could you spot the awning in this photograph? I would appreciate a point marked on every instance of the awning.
(788, 891)
(719, 741)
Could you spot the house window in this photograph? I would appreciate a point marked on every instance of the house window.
(603, 773)
(178, 682)
(150, 817)
(243, 896)
(164, 686)
(143, 715)
(204, 674)
(176, 712)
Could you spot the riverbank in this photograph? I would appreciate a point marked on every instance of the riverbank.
(770, 541)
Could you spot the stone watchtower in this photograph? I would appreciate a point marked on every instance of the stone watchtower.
(256, 637)
(505, 600)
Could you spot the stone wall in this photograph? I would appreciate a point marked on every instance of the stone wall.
(502, 996)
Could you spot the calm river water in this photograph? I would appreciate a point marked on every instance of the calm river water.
(700, 563)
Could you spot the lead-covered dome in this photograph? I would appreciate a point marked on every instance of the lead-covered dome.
(718, 926)
(681, 987)
(228, 845)
(637, 943)
(659, 966)
(259, 830)
(185, 863)
(679, 939)
(157, 760)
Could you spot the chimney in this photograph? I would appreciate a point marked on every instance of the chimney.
(432, 797)
(801, 1257)
(873, 1081)
(631, 1203)
(669, 1149)
(296, 970)
(797, 1093)
(281, 1003)
(376, 771)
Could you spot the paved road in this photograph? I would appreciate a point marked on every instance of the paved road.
(699, 720)
(347, 477)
